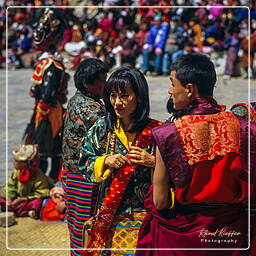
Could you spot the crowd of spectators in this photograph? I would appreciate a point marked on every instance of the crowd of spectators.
(149, 38)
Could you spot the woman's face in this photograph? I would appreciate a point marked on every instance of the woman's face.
(124, 103)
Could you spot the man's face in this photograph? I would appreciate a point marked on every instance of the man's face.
(19, 165)
(97, 88)
(178, 92)
(157, 22)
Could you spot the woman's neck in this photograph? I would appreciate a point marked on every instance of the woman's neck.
(127, 123)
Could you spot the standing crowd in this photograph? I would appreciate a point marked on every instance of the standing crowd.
(123, 182)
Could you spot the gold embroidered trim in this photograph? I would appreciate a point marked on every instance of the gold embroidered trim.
(206, 136)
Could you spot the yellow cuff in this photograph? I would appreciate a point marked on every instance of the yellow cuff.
(172, 198)
(100, 172)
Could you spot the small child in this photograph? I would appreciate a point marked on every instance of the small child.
(27, 186)
(53, 208)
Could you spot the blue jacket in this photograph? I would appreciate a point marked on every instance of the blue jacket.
(157, 36)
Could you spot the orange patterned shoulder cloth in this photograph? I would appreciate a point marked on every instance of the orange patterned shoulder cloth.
(41, 66)
(206, 136)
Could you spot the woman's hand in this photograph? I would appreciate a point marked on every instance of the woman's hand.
(141, 156)
(117, 161)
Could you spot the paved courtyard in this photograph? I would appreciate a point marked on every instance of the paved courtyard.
(19, 105)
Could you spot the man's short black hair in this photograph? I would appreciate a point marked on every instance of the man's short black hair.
(88, 71)
(197, 69)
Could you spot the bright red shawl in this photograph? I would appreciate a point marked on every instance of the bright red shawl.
(113, 199)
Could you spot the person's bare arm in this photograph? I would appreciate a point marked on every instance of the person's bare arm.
(161, 186)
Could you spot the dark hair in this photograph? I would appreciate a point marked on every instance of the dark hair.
(119, 80)
(88, 71)
(174, 112)
(197, 69)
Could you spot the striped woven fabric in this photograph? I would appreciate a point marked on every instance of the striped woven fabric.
(80, 197)
(124, 234)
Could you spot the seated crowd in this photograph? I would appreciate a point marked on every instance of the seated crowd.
(147, 38)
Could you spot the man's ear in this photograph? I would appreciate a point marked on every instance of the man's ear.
(192, 90)
(189, 89)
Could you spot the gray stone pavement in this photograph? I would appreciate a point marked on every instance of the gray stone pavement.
(16, 105)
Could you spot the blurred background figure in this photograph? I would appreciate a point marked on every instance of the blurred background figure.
(28, 185)
(49, 90)
(248, 56)
(154, 47)
(232, 45)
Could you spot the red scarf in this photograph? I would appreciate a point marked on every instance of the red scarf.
(113, 199)
(29, 173)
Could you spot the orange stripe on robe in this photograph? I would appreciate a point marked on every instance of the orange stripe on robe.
(211, 145)
(55, 118)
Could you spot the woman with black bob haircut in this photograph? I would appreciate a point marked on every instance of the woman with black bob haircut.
(119, 81)
(119, 155)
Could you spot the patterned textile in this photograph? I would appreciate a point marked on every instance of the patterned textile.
(115, 193)
(81, 113)
(79, 196)
(125, 233)
(207, 153)
(206, 136)
(41, 66)
(245, 110)
(49, 90)
(209, 194)
(94, 147)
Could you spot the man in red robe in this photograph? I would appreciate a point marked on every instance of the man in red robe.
(201, 178)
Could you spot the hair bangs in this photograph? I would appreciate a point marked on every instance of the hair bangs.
(118, 84)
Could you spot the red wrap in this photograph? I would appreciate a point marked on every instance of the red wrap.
(113, 199)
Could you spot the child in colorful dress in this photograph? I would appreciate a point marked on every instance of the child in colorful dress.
(54, 207)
